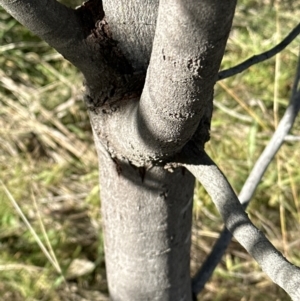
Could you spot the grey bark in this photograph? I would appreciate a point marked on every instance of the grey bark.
(147, 226)
(141, 122)
(176, 99)
(280, 270)
(189, 43)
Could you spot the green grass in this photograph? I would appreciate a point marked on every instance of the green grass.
(47, 155)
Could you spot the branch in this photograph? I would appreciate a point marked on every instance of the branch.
(188, 46)
(50, 20)
(177, 96)
(66, 30)
(83, 37)
(261, 165)
(281, 271)
(260, 57)
(58, 25)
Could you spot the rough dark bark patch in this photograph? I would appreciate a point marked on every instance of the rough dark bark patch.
(119, 81)
(89, 13)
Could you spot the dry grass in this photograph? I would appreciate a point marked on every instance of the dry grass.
(47, 156)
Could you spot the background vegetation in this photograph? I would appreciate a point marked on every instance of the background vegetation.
(48, 165)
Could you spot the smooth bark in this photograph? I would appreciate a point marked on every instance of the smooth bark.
(147, 217)
(272, 262)
(176, 102)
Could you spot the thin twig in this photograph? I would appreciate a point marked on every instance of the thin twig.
(260, 57)
(261, 165)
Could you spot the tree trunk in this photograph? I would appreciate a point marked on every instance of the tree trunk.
(147, 218)
(147, 210)
(141, 122)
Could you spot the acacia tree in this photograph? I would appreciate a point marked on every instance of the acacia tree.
(149, 69)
